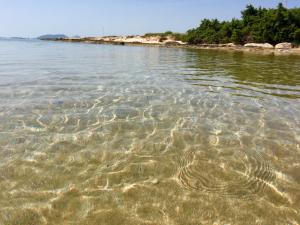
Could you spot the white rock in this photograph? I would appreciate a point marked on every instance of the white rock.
(259, 45)
(155, 181)
(231, 45)
(284, 45)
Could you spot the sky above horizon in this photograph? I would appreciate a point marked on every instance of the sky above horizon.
(32, 18)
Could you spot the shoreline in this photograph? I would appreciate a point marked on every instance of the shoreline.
(169, 43)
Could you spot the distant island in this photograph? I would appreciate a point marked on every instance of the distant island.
(52, 36)
(13, 38)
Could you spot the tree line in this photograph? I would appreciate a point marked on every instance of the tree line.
(258, 25)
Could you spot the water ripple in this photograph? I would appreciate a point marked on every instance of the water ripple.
(236, 174)
(99, 134)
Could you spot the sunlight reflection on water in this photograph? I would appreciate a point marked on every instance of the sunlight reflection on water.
(93, 134)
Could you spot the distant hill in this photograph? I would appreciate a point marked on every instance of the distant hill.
(18, 38)
(13, 38)
(52, 36)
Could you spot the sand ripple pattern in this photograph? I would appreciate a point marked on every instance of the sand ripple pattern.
(234, 174)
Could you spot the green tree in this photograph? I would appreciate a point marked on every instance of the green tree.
(297, 36)
(256, 25)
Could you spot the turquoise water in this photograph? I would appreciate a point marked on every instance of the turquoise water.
(100, 134)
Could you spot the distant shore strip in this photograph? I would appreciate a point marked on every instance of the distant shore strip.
(260, 48)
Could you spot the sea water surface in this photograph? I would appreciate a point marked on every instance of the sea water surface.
(100, 134)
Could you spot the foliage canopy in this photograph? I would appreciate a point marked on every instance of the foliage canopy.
(259, 25)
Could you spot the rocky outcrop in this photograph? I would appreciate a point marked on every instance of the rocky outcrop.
(127, 40)
(284, 45)
(259, 45)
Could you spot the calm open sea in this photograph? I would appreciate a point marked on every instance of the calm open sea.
(100, 134)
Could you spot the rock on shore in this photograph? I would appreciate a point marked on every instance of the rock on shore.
(284, 45)
(259, 45)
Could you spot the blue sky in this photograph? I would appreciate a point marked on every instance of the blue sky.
(31, 18)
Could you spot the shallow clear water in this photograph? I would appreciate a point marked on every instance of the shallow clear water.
(99, 134)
